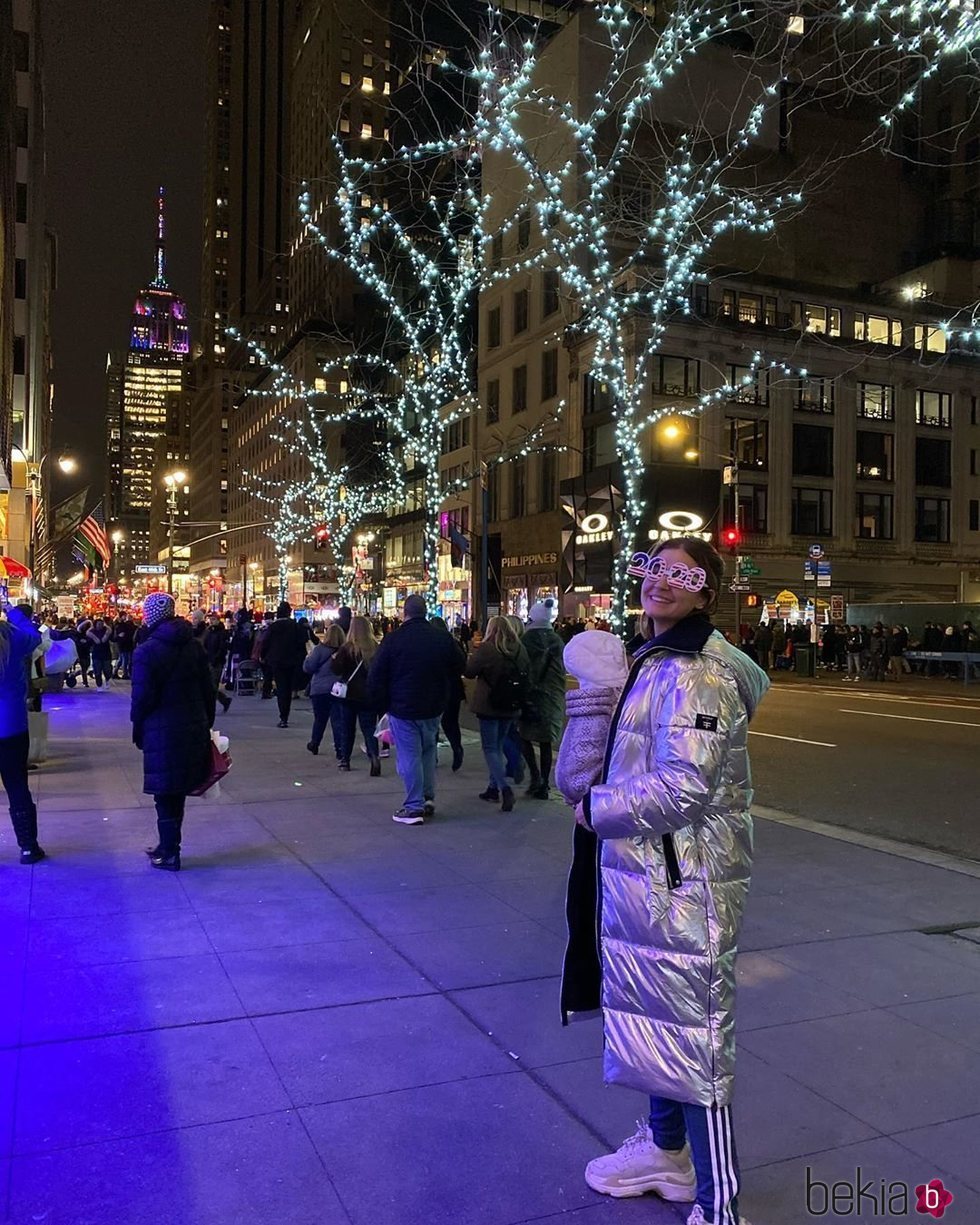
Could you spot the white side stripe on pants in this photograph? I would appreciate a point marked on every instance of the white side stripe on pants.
(722, 1163)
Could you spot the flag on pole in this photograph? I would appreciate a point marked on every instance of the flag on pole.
(93, 530)
(67, 515)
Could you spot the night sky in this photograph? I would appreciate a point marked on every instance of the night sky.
(124, 105)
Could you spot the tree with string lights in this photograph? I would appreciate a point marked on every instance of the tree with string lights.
(670, 164)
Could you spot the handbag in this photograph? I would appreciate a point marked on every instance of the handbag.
(339, 688)
(218, 767)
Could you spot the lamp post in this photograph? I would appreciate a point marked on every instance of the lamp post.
(69, 466)
(173, 481)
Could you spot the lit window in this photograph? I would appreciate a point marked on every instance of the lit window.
(320, 384)
(796, 25)
(367, 85)
(366, 132)
(345, 126)
(877, 329)
(345, 78)
(929, 339)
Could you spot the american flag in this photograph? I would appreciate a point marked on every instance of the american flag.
(93, 530)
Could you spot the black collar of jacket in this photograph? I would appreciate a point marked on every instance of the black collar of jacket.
(688, 636)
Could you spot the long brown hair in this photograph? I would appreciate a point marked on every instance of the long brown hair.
(503, 636)
(361, 642)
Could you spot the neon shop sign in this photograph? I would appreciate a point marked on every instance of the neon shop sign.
(674, 523)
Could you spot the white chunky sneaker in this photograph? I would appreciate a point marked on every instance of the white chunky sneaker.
(638, 1166)
(697, 1217)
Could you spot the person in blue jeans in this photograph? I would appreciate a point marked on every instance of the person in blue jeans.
(19, 639)
(667, 821)
(496, 664)
(410, 680)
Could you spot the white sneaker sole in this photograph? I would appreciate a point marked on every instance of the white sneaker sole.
(673, 1188)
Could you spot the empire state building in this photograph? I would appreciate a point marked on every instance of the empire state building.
(149, 403)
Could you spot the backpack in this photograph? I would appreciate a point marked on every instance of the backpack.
(510, 690)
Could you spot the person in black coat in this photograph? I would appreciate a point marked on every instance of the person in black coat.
(282, 652)
(457, 695)
(172, 711)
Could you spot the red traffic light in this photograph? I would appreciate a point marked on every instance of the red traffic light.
(731, 536)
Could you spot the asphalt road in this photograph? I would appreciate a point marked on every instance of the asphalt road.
(903, 764)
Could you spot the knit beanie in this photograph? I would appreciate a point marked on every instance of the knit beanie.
(157, 607)
(197, 616)
(543, 613)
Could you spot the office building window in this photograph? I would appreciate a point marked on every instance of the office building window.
(875, 516)
(548, 481)
(20, 355)
(493, 328)
(22, 51)
(973, 461)
(21, 214)
(520, 311)
(821, 320)
(493, 492)
(524, 231)
(877, 329)
(519, 385)
(599, 446)
(20, 278)
(549, 292)
(496, 250)
(812, 512)
(929, 339)
(813, 450)
(934, 408)
(676, 376)
(596, 396)
(751, 386)
(518, 488)
(549, 374)
(815, 395)
(876, 401)
(974, 515)
(22, 126)
(753, 501)
(932, 520)
(875, 456)
(749, 442)
(493, 401)
(932, 462)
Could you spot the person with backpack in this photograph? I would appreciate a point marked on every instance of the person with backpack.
(282, 653)
(501, 669)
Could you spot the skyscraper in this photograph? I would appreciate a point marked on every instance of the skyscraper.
(152, 400)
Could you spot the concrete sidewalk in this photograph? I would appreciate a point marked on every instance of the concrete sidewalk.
(327, 1017)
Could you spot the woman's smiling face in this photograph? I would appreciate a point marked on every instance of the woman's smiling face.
(666, 605)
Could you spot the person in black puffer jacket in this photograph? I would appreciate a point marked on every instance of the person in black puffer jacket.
(172, 711)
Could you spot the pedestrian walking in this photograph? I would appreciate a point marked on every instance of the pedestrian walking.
(513, 747)
(99, 638)
(854, 643)
(457, 695)
(124, 633)
(501, 669)
(410, 680)
(322, 678)
(282, 653)
(670, 824)
(763, 646)
(543, 718)
(19, 639)
(84, 648)
(215, 643)
(352, 666)
(172, 712)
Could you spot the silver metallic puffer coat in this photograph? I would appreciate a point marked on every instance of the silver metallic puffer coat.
(672, 813)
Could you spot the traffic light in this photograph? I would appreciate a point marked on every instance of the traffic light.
(321, 538)
(731, 537)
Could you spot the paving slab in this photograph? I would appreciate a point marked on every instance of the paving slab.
(770, 993)
(874, 1065)
(477, 956)
(955, 1146)
(83, 1002)
(285, 978)
(446, 1149)
(957, 1018)
(260, 1171)
(610, 1111)
(104, 939)
(332, 1054)
(129, 1084)
(308, 918)
(451, 907)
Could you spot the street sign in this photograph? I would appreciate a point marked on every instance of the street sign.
(150, 567)
(740, 585)
(819, 570)
(837, 608)
(815, 551)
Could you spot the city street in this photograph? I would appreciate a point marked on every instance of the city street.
(896, 760)
(329, 1018)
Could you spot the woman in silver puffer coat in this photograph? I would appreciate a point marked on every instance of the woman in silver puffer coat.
(669, 818)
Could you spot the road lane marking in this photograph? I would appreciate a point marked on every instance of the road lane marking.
(822, 744)
(950, 700)
(880, 714)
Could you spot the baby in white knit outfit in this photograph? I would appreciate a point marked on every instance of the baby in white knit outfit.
(598, 662)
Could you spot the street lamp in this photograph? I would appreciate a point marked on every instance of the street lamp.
(117, 537)
(68, 465)
(173, 481)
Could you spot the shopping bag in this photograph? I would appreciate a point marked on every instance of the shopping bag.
(219, 766)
